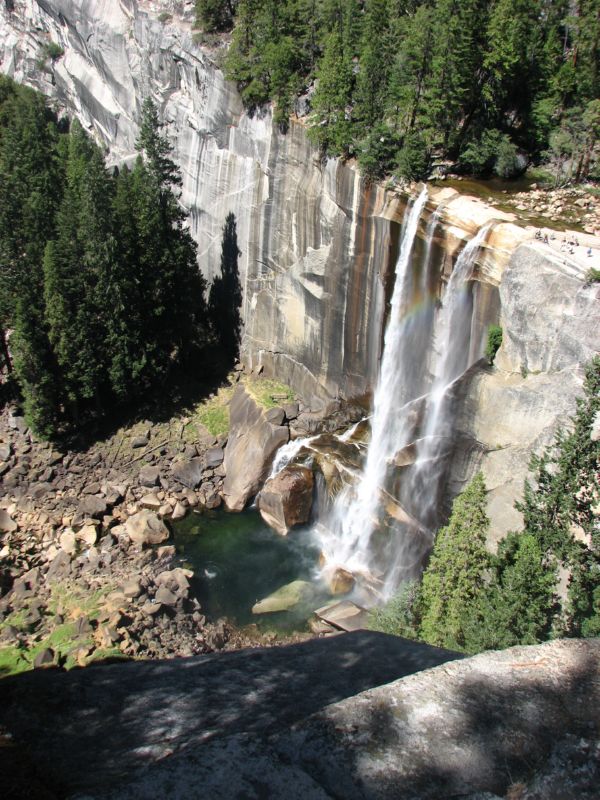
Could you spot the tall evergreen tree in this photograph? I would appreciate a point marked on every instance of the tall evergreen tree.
(75, 266)
(456, 571)
(172, 287)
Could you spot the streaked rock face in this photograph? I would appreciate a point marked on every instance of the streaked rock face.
(318, 245)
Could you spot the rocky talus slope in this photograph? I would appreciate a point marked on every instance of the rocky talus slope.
(522, 724)
(87, 564)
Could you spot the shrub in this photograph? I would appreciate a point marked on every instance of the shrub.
(398, 617)
(53, 51)
(593, 276)
(494, 340)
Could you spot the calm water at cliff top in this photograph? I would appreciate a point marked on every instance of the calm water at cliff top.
(237, 560)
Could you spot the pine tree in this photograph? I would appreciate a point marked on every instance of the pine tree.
(171, 285)
(456, 570)
(31, 180)
(518, 605)
(215, 15)
(34, 366)
(75, 267)
(375, 57)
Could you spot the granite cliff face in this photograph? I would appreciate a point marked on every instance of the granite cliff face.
(318, 245)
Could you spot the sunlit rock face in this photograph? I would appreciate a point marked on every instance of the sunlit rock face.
(318, 246)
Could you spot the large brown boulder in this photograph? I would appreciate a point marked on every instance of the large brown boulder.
(252, 443)
(286, 499)
(145, 528)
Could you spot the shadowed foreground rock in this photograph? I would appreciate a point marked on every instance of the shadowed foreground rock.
(274, 724)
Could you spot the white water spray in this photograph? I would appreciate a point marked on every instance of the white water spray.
(453, 337)
(288, 452)
(354, 512)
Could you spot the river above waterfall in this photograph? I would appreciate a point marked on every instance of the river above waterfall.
(238, 560)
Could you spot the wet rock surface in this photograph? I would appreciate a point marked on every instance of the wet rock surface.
(286, 500)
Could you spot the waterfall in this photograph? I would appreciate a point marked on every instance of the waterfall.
(287, 452)
(424, 354)
(453, 335)
(348, 532)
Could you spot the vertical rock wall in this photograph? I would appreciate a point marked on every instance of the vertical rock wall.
(318, 245)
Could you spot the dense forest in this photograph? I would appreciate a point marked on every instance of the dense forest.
(99, 286)
(401, 85)
(473, 600)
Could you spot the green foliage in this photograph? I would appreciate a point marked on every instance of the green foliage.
(214, 15)
(456, 570)
(482, 81)
(377, 150)
(494, 340)
(52, 51)
(412, 159)
(592, 275)
(399, 615)
(518, 604)
(100, 284)
(563, 496)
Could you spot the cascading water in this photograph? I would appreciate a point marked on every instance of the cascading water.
(348, 534)
(288, 452)
(412, 408)
(454, 356)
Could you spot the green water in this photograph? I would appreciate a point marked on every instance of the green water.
(238, 560)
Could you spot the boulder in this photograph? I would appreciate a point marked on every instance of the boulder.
(341, 581)
(60, 566)
(189, 473)
(88, 535)
(212, 499)
(286, 499)
(7, 523)
(45, 658)
(214, 457)
(165, 596)
(149, 476)
(132, 588)
(68, 542)
(139, 441)
(145, 528)
(284, 598)
(92, 506)
(151, 502)
(291, 411)
(179, 511)
(5, 452)
(176, 580)
(252, 443)
(275, 416)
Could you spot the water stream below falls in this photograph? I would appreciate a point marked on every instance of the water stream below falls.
(238, 560)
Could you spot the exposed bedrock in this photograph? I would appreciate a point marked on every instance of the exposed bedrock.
(252, 443)
(317, 243)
